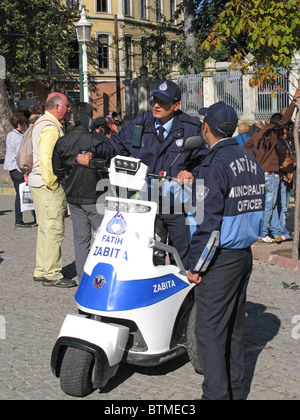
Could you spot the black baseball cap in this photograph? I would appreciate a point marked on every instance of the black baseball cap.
(218, 114)
(99, 121)
(167, 91)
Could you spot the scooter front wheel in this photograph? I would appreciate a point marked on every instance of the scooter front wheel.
(76, 372)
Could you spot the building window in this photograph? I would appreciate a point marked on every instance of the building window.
(143, 51)
(103, 52)
(143, 9)
(72, 4)
(158, 10)
(43, 60)
(73, 96)
(172, 9)
(128, 53)
(127, 8)
(73, 58)
(101, 6)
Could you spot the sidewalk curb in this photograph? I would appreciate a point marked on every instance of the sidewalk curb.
(275, 259)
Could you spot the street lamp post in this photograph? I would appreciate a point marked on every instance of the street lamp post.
(83, 32)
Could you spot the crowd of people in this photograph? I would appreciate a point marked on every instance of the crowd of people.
(260, 160)
(273, 146)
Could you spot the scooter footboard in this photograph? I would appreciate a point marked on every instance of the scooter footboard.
(111, 338)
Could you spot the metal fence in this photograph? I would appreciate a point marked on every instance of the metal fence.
(191, 93)
(267, 104)
(229, 89)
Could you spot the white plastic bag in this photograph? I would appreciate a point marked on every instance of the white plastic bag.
(26, 200)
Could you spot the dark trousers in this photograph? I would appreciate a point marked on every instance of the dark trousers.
(173, 227)
(17, 178)
(220, 321)
(85, 219)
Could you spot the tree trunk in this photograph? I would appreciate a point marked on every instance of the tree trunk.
(189, 26)
(5, 114)
(295, 249)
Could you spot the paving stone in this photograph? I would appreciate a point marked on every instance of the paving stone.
(34, 315)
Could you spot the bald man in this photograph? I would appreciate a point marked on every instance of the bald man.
(48, 195)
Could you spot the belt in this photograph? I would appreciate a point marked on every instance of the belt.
(272, 172)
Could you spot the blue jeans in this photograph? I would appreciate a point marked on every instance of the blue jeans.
(271, 190)
(281, 208)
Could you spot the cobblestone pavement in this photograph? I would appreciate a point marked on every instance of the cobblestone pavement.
(34, 314)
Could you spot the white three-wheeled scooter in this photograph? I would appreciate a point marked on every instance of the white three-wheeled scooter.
(129, 309)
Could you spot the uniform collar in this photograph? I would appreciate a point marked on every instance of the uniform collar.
(167, 126)
(224, 141)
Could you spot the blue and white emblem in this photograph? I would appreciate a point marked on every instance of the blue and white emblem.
(163, 86)
(179, 142)
(201, 193)
(117, 225)
(99, 281)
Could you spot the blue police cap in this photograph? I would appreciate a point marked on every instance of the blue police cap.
(219, 113)
(167, 91)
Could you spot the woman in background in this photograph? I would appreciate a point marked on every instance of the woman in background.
(243, 136)
(13, 141)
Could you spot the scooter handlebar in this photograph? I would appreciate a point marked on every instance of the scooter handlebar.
(162, 177)
(98, 164)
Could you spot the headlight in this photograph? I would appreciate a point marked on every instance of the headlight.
(125, 207)
(126, 165)
(112, 205)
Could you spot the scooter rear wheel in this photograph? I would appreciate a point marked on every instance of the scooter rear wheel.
(191, 342)
(76, 372)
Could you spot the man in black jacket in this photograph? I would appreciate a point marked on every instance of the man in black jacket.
(79, 183)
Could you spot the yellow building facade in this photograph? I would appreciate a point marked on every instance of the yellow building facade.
(116, 52)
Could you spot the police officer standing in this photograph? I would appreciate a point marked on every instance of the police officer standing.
(156, 138)
(233, 200)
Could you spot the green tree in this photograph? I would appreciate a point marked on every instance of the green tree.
(27, 29)
(31, 27)
(207, 12)
(271, 30)
(271, 33)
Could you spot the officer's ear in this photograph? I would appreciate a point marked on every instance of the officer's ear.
(177, 106)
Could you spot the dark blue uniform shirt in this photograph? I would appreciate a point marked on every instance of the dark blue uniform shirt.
(231, 198)
(157, 155)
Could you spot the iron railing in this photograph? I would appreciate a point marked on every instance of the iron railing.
(191, 93)
(229, 89)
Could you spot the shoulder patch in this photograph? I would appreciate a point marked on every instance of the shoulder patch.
(201, 193)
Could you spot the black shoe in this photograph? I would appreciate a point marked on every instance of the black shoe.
(38, 279)
(23, 225)
(62, 283)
